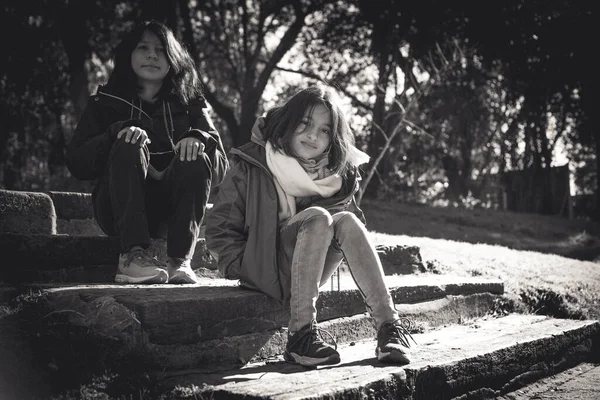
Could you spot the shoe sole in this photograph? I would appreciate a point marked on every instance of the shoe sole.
(309, 361)
(394, 357)
(161, 278)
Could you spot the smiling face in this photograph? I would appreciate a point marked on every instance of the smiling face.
(149, 59)
(312, 136)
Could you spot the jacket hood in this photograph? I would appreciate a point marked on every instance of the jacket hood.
(257, 134)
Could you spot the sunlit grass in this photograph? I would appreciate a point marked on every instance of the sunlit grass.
(521, 271)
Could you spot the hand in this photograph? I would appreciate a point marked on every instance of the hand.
(189, 148)
(133, 135)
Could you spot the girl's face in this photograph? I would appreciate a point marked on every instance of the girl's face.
(311, 137)
(149, 59)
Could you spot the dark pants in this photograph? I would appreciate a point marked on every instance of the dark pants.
(130, 204)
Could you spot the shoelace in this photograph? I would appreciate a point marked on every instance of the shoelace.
(316, 336)
(400, 329)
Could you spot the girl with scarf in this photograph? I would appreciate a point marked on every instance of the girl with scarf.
(285, 217)
(147, 140)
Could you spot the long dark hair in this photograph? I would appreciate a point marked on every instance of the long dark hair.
(282, 121)
(183, 79)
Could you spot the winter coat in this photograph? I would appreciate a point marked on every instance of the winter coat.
(242, 229)
(105, 115)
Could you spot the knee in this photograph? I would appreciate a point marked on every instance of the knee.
(195, 170)
(348, 221)
(319, 218)
(123, 152)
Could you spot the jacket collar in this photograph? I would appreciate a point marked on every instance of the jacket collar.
(123, 104)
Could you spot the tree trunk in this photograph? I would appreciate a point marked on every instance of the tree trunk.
(596, 213)
(74, 36)
(377, 140)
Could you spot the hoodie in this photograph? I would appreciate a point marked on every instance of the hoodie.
(166, 122)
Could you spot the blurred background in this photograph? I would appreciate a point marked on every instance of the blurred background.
(459, 104)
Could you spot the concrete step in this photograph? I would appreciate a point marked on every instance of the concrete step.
(478, 359)
(217, 323)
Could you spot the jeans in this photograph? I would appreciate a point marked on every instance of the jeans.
(130, 204)
(313, 244)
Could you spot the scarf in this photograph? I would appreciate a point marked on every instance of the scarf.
(301, 178)
(292, 180)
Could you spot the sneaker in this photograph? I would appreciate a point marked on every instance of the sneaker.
(180, 271)
(306, 347)
(392, 341)
(136, 266)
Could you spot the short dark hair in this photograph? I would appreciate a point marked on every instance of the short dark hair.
(282, 121)
(183, 78)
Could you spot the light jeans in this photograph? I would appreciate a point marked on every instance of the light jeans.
(313, 244)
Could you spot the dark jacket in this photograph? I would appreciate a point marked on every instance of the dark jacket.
(242, 229)
(105, 115)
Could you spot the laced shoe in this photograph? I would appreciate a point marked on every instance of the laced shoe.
(306, 347)
(180, 271)
(392, 341)
(137, 266)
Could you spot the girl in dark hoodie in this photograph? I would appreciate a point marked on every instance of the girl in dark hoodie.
(285, 217)
(148, 141)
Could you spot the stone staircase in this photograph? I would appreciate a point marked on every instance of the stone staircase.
(65, 327)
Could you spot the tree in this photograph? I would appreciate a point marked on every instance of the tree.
(238, 45)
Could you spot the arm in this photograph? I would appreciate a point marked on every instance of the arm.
(226, 230)
(353, 206)
(202, 127)
(88, 150)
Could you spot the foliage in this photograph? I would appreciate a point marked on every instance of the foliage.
(548, 302)
(522, 85)
(238, 45)
(55, 39)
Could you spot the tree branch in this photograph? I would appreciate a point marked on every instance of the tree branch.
(287, 42)
(353, 98)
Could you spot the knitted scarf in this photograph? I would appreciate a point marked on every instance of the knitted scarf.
(292, 180)
(301, 178)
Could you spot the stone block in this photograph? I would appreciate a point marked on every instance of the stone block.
(400, 259)
(72, 205)
(27, 212)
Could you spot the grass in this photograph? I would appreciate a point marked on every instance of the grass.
(546, 262)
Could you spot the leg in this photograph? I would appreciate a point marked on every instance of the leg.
(119, 203)
(365, 267)
(188, 188)
(120, 209)
(305, 241)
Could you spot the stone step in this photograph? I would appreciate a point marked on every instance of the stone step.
(478, 359)
(47, 212)
(53, 237)
(216, 322)
(93, 259)
(65, 258)
(51, 213)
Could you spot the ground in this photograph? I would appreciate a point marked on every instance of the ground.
(548, 262)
